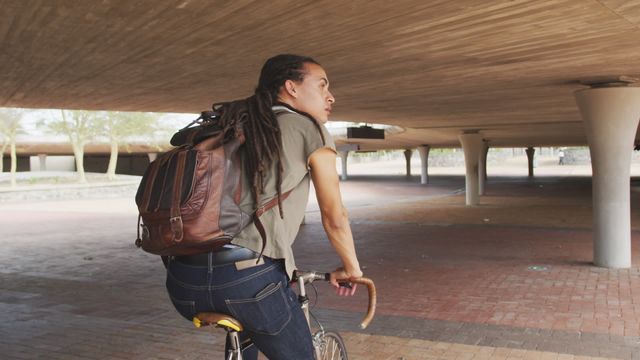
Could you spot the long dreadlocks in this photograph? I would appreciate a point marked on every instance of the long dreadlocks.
(263, 144)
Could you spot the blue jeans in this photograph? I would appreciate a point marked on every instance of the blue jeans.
(259, 297)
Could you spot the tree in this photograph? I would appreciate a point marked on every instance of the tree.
(120, 126)
(80, 127)
(9, 129)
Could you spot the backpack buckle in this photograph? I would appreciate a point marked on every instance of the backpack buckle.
(176, 228)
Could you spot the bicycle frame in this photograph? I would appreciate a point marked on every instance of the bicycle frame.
(302, 278)
(309, 277)
(236, 347)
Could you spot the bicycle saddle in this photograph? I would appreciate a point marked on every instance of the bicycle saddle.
(221, 320)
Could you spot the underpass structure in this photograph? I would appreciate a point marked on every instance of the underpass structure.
(470, 74)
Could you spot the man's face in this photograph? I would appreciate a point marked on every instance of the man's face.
(312, 95)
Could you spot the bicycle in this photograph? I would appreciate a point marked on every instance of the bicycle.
(328, 344)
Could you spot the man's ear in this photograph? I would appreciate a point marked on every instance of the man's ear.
(290, 88)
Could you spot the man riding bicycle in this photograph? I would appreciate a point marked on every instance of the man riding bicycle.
(286, 147)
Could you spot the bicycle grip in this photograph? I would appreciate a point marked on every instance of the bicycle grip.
(371, 287)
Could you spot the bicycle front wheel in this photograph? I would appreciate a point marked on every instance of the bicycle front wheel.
(330, 345)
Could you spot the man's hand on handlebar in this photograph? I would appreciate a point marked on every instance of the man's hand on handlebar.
(340, 280)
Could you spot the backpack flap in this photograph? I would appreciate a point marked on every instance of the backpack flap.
(208, 125)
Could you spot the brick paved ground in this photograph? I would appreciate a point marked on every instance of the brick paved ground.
(509, 279)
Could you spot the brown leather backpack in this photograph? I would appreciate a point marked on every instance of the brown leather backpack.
(188, 199)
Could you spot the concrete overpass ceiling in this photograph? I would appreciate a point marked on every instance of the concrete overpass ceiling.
(507, 68)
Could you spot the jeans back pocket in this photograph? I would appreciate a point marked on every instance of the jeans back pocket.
(266, 313)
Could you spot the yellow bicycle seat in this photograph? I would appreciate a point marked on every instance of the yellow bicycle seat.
(221, 320)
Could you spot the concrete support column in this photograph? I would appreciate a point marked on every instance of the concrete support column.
(343, 159)
(530, 153)
(472, 146)
(611, 116)
(424, 163)
(482, 167)
(43, 161)
(407, 157)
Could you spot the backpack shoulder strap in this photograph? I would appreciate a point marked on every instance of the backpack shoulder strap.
(176, 199)
(261, 210)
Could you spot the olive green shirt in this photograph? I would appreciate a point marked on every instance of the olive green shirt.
(300, 139)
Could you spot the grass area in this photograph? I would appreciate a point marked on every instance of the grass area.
(36, 178)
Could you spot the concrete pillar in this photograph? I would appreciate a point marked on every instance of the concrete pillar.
(530, 153)
(486, 154)
(43, 161)
(472, 146)
(343, 159)
(424, 163)
(482, 167)
(407, 158)
(611, 116)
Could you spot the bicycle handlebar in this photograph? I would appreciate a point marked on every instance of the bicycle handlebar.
(311, 276)
(371, 310)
